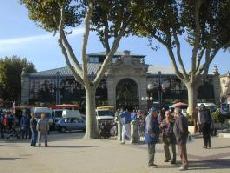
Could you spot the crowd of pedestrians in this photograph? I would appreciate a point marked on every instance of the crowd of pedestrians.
(25, 126)
(174, 129)
(172, 125)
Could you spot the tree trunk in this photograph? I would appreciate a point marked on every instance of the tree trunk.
(91, 123)
(192, 89)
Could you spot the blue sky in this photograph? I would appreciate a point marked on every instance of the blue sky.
(22, 37)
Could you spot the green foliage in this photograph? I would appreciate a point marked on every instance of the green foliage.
(46, 13)
(163, 18)
(10, 76)
(217, 117)
(190, 120)
(111, 14)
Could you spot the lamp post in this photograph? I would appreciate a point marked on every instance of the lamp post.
(159, 89)
(58, 88)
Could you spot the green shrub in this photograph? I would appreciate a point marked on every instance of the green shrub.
(217, 117)
(190, 120)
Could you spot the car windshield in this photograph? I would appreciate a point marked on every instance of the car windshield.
(38, 115)
(105, 113)
(58, 114)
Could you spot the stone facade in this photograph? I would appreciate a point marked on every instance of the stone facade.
(143, 84)
(225, 88)
(126, 68)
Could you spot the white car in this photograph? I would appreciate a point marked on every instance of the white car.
(210, 106)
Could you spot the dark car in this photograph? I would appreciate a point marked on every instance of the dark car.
(69, 124)
(225, 110)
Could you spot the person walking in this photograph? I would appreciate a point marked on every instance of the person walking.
(125, 119)
(1, 125)
(24, 125)
(33, 127)
(205, 121)
(152, 131)
(42, 128)
(169, 138)
(180, 130)
(134, 115)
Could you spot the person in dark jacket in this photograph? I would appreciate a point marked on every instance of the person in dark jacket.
(169, 138)
(33, 127)
(205, 121)
(24, 125)
(152, 131)
(180, 130)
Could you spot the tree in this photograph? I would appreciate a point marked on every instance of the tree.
(109, 19)
(10, 77)
(203, 24)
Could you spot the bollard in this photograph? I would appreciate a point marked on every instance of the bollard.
(119, 130)
(134, 132)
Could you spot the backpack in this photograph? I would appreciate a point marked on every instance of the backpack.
(5, 121)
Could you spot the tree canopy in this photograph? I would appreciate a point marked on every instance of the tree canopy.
(110, 20)
(203, 24)
(10, 76)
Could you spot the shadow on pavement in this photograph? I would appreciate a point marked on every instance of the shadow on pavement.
(14, 158)
(71, 146)
(220, 147)
(209, 164)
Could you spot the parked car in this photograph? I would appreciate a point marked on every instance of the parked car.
(69, 124)
(211, 106)
(57, 115)
(225, 110)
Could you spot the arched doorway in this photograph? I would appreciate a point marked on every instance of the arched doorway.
(127, 94)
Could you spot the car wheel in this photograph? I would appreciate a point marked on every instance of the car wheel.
(63, 129)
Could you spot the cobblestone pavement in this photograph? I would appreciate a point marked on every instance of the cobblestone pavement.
(67, 153)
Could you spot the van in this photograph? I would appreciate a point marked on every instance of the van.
(211, 106)
(105, 114)
(70, 113)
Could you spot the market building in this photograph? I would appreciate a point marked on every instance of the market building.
(128, 82)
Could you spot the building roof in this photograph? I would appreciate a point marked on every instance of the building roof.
(64, 71)
(116, 54)
(154, 69)
(93, 68)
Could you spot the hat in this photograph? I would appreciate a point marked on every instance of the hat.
(153, 109)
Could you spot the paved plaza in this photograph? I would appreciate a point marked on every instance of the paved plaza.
(68, 153)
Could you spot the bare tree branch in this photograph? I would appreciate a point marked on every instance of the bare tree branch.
(200, 56)
(68, 51)
(85, 41)
(109, 56)
(178, 54)
(75, 74)
(209, 56)
(106, 37)
(197, 38)
(171, 55)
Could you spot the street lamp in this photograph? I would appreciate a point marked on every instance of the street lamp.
(159, 89)
(58, 100)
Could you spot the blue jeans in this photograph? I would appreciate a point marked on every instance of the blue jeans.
(34, 137)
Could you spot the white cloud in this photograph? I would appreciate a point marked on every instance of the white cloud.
(4, 43)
